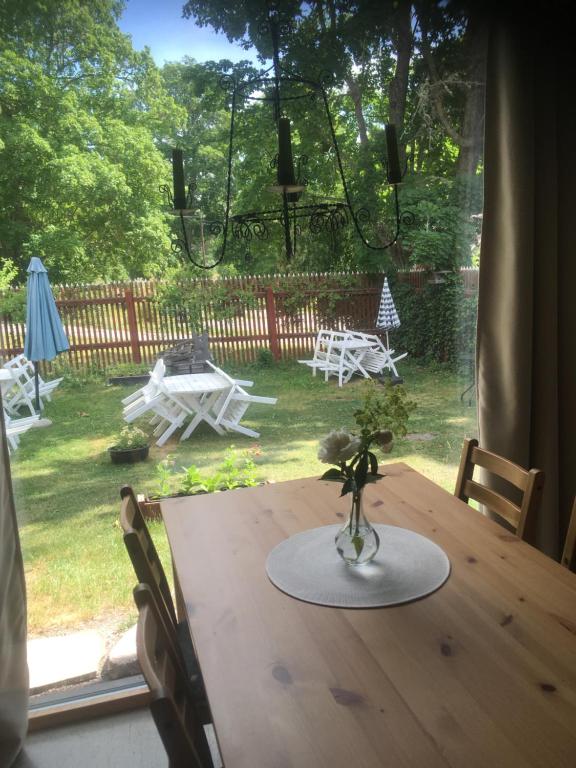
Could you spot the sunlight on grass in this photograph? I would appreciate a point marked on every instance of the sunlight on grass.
(67, 490)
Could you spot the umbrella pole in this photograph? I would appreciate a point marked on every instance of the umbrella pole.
(37, 386)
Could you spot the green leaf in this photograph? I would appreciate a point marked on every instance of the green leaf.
(358, 543)
(347, 487)
(333, 474)
(372, 478)
(373, 463)
(361, 471)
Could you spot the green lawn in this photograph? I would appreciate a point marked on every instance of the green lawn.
(67, 491)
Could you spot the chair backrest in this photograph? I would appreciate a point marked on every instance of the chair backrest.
(569, 553)
(143, 553)
(158, 372)
(528, 482)
(172, 704)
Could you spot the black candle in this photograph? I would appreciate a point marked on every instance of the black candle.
(178, 177)
(286, 176)
(394, 174)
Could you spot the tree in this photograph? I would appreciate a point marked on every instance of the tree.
(391, 63)
(81, 118)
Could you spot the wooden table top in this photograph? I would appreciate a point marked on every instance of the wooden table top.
(482, 673)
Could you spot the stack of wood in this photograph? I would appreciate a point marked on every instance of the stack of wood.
(188, 356)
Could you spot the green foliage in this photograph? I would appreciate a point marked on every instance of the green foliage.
(87, 124)
(130, 437)
(81, 113)
(12, 301)
(438, 322)
(384, 408)
(383, 414)
(13, 305)
(265, 358)
(189, 300)
(127, 369)
(235, 470)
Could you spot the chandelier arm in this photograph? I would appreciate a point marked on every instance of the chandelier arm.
(345, 187)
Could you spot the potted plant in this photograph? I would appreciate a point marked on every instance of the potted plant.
(235, 471)
(131, 445)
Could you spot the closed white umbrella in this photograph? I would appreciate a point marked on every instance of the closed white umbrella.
(387, 314)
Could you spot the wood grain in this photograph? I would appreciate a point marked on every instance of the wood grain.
(481, 673)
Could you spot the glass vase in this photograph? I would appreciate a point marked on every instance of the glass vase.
(357, 542)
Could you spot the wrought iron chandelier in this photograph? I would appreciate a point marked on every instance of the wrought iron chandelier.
(278, 86)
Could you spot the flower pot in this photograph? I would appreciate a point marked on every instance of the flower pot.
(127, 381)
(128, 455)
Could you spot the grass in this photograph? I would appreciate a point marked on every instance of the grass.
(66, 488)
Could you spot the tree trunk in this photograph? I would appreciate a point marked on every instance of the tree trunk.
(356, 95)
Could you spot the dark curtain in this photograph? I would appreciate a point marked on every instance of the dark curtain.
(13, 666)
(526, 362)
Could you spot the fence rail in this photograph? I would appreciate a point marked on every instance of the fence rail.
(121, 323)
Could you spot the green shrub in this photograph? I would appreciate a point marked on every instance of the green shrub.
(438, 322)
(265, 358)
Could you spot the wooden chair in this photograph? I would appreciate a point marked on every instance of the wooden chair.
(172, 702)
(529, 482)
(149, 571)
(569, 554)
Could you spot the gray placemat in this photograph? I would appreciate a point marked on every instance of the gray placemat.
(407, 566)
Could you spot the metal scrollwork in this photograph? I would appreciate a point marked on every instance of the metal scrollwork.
(243, 229)
(407, 218)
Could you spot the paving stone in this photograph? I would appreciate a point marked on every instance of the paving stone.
(64, 660)
(121, 660)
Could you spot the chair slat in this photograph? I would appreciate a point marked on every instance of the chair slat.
(501, 467)
(529, 482)
(494, 501)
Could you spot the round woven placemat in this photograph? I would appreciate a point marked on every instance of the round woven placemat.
(407, 566)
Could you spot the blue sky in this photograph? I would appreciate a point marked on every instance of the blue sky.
(159, 25)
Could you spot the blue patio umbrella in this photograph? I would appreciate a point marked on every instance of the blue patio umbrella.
(45, 336)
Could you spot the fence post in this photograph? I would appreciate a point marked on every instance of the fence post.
(132, 326)
(271, 318)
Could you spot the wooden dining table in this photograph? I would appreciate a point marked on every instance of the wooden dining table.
(481, 673)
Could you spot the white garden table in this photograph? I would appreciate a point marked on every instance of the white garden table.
(197, 394)
(351, 353)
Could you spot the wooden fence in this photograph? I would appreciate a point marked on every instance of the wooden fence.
(118, 323)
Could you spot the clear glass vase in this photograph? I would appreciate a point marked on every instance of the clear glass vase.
(357, 542)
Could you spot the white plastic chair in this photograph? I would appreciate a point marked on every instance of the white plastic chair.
(235, 405)
(156, 375)
(325, 358)
(231, 406)
(379, 357)
(23, 372)
(167, 415)
(16, 396)
(16, 427)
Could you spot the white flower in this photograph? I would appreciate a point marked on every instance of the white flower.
(338, 446)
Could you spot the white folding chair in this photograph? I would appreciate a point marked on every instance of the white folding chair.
(156, 375)
(16, 427)
(234, 406)
(17, 395)
(231, 406)
(379, 357)
(326, 358)
(167, 414)
(23, 371)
